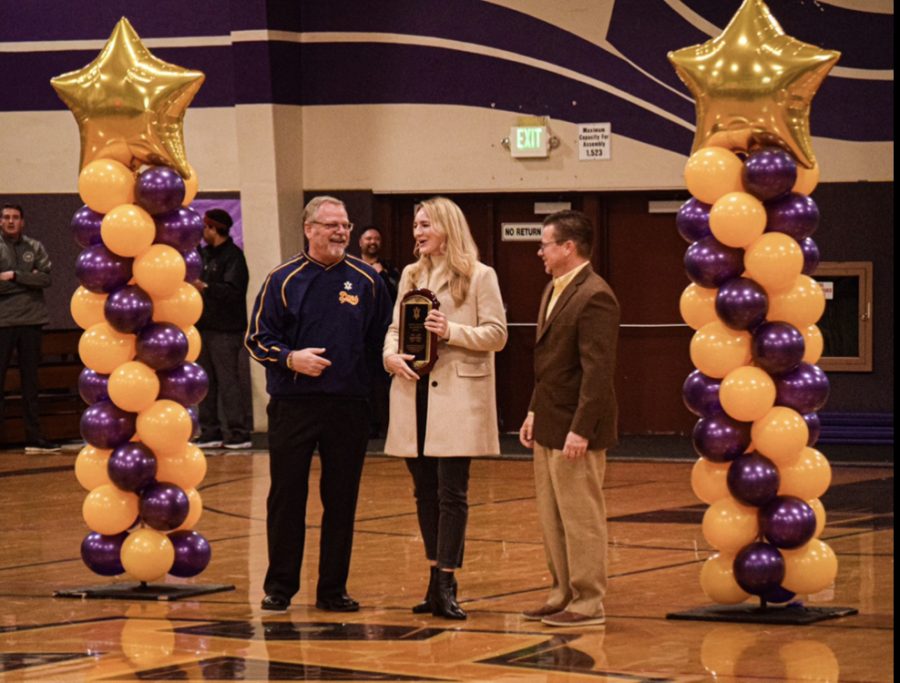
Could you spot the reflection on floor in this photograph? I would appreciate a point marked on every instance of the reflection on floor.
(655, 556)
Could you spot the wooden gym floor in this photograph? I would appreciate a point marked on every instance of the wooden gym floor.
(655, 556)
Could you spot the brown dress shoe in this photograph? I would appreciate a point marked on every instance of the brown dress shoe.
(539, 613)
(566, 618)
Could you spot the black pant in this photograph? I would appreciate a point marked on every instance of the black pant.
(339, 427)
(441, 489)
(220, 357)
(26, 340)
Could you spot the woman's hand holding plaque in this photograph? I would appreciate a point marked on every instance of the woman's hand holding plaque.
(416, 339)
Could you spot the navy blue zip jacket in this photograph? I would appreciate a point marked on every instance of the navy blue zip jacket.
(344, 308)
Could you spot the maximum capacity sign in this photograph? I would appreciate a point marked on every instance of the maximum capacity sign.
(594, 141)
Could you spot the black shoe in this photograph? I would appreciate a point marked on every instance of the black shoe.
(424, 607)
(341, 603)
(275, 603)
(209, 441)
(443, 600)
(42, 446)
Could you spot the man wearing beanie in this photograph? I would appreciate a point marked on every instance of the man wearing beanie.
(223, 413)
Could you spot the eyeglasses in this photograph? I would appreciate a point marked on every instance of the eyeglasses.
(544, 245)
(334, 226)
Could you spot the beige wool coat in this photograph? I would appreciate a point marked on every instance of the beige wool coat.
(462, 406)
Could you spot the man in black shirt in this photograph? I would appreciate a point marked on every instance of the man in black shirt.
(223, 412)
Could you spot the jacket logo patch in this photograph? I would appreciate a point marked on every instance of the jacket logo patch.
(345, 298)
(28, 257)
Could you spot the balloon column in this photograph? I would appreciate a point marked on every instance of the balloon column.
(138, 309)
(754, 306)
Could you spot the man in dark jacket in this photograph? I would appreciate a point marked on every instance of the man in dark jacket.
(24, 275)
(223, 413)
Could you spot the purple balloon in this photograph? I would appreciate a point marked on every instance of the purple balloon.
(102, 553)
(753, 479)
(194, 412)
(193, 264)
(128, 309)
(759, 568)
(815, 427)
(164, 506)
(794, 214)
(769, 173)
(181, 228)
(92, 386)
(805, 389)
(742, 304)
(777, 347)
(162, 346)
(810, 255)
(159, 189)
(709, 263)
(86, 227)
(131, 466)
(105, 425)
(787, 521)
(187, 384)
(720, 438)
(101, 271)
(701, 395)
(779, 594)
(192, 553)
(692, 220)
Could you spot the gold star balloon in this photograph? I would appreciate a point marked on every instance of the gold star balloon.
(753, 85)
(129, 105)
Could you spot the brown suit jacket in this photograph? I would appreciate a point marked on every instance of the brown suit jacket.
(574, 364)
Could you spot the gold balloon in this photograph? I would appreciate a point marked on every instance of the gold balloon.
(133, 386)
(90, 467)
(194, 341)
(737, 219)
(103, 349)
(127, 230)
(709, 480)
(729, 525)
(754, 85)
(716, 349)
(713, 172)
(718, 582)
(806, 476)
(147, 554)
(821, 516)
(165, 426)
(129, 105)
(195, 509)
(109, 510)
(104, 184)
(747, 393)
(815, 344)
(774, 261)
(780, 434)
(801, 305)
(698, 305)
(185, 468)
(182, 307)
(159, 270)
(87, 307)
(810, 568)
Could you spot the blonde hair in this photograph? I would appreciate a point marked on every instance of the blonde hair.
(447, 219)
(312, 208)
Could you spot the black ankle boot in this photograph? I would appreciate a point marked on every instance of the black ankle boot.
(443, 598)
(424, 607)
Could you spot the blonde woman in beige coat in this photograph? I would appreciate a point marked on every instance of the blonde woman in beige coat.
(440, 421)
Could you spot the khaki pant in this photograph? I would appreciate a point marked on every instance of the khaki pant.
(573, 518)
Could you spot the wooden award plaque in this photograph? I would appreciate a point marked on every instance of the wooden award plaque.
(414, 338)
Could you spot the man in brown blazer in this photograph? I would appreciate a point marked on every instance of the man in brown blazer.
(571, 421)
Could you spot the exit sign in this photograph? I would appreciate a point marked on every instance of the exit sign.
(529, 141)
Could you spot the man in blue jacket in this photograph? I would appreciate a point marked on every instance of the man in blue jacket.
(317, 326)
(24, 275)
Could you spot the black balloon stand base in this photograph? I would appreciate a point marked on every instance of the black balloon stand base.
(764, 614)
(142, 591)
